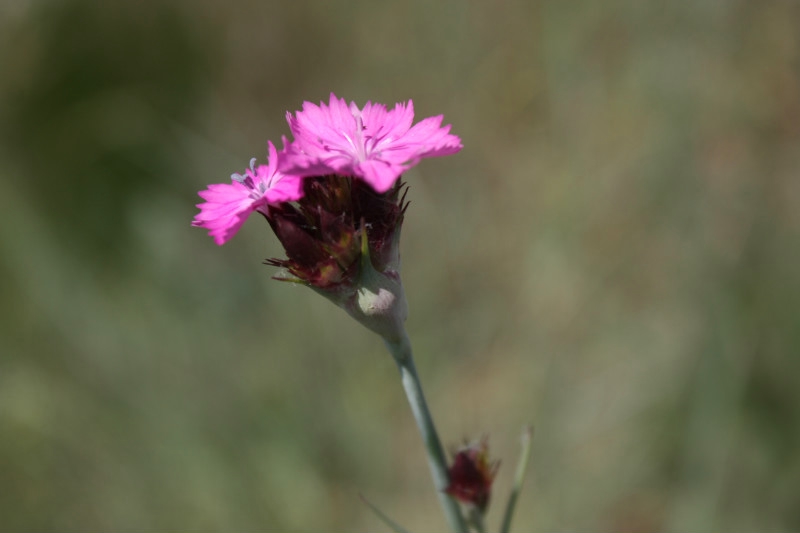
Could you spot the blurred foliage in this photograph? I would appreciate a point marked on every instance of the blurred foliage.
(612, 257)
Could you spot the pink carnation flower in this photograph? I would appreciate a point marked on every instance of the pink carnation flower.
(373, 144)
(228, 205)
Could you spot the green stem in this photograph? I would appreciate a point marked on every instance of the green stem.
(401, 351)
(476, 519)
(394, 526)
(519, 478)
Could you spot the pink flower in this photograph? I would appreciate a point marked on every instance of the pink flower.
(228, 205)
(373, 144)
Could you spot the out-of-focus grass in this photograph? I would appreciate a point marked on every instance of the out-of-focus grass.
(613, 257)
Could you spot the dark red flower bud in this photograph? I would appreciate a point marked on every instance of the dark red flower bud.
(472, 474)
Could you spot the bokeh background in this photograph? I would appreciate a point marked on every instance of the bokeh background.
(613, 257)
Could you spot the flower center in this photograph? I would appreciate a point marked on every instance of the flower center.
(258, 187)
(358, 143)
(361, 147)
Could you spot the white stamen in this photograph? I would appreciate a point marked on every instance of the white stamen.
(358, 142)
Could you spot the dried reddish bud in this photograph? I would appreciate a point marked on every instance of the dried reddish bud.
(472, 474)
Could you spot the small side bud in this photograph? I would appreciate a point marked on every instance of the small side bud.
(472, 474)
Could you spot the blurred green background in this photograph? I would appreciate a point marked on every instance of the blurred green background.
(613, 257)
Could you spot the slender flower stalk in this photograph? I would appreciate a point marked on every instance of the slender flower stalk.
(401, 351)
(476, 519)
(519, 478)
(394, 526)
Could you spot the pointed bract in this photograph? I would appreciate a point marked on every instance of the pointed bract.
(322, 233)
(373, 143)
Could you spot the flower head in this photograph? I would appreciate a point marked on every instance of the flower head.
(227, 205)
(372, 143)
(334, 199)
(342, 240)
(471, 475)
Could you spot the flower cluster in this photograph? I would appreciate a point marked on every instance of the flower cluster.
(373, 144)
(334, 199)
